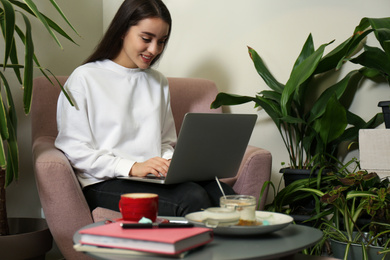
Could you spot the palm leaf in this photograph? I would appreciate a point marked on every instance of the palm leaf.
(4, 134)
(63, 15)
(8, 28)
(50, 22)
(28, 66)
(3, 159)
(41, 18)
(12, 171)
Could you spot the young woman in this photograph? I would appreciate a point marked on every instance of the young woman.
(122, 122)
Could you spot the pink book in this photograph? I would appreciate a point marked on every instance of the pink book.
(170, 241)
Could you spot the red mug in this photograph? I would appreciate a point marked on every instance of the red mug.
(134, 206)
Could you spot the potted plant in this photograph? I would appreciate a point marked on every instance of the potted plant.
(357, 213)
(312, 127)
(9, 160)
(376, 60)
(311, 131)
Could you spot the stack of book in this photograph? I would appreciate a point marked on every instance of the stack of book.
(132, 239)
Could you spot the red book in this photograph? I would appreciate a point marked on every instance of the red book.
(170, 241)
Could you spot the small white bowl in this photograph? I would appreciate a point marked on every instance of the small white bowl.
(220, 217)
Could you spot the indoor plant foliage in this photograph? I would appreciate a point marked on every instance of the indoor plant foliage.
(13, 33)
(312, 132)
(376, 60)
(353, 196)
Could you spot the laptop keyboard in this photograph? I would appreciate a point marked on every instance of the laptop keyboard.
(154, 177)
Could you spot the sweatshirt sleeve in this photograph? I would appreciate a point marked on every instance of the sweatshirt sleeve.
(168, 134)
(76, 140)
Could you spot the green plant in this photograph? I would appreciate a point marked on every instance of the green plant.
(352, 196)
(290, 198)
(8, 121)
(312, 132)
(376, 61)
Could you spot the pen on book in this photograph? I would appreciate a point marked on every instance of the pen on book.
(155, 225)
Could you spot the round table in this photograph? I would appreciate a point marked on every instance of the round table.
(285, 242)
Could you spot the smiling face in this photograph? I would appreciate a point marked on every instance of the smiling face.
(142, 43)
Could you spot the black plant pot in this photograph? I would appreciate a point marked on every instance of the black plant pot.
(30, 239)
(385, 105)
(307, 205)
(356, 251)
(290, 175)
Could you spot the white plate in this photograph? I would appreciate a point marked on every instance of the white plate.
(276, 221)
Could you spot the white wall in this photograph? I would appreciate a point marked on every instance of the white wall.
(209, 40)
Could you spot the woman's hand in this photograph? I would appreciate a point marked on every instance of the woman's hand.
(155, 166)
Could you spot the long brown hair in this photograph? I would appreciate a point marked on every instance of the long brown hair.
(129, 14)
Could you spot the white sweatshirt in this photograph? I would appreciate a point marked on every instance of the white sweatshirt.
(121, 116)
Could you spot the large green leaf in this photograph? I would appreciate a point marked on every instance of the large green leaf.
(338, 89)
(225, 99)
(12, 171)
(386, 47)
(3, 122)
(358, 123)
(23, 38)
(271, 95)
(334, 121)
(374, 58)
(382, 28)
(271, 108)
(299, 75)
(307, 50)
(4, 133)
(263, 71)
(335, 58)
(299, 95)
(383, 36)
(12, 54)
(8, 28)
(3, 159)
(28, 66)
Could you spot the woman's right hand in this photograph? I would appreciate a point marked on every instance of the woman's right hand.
(155, 166)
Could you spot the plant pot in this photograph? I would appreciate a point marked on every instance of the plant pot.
(290, 175)
(30, 239)
(385, 105)
(355, 251)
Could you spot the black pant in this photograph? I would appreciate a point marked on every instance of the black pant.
(174, 200)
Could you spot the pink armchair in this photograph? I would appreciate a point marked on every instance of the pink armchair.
(62, 200)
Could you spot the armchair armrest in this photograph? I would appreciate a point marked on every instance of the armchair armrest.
(254, 171)
(58, 187)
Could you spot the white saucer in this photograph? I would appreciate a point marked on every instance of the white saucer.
(276, 222)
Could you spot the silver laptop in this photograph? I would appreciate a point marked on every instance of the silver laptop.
(208, 146)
